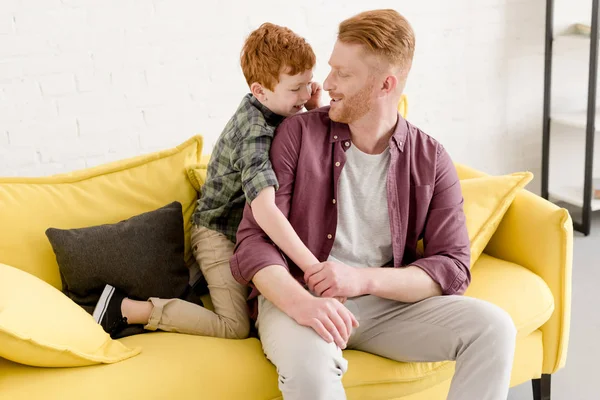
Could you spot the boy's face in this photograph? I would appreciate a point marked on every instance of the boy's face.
(289, 95)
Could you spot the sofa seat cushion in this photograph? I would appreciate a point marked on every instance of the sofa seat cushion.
(515, 289)
(185, 366)
(171, 366)
(182, 367)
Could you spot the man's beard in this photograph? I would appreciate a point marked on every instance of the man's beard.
(353, 108)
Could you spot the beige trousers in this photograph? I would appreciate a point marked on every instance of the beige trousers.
(230, 318)
(478, 335)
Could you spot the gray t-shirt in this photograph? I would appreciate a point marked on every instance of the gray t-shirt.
(363, 237)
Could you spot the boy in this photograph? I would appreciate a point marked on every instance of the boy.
(277, 65)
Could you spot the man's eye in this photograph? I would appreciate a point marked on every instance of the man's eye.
(342, 75)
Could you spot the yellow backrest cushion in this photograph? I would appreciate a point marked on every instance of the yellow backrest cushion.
(197, 172)
(403, 106)
(102, 195)
(486, 200)
(42, 327)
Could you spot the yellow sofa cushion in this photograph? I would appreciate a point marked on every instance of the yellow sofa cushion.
(197, 172)
(102, 195)
(40, 326)
(486, 200)
(515, 289)
(193, 366)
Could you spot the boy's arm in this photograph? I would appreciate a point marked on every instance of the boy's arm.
(276, 225)
(254, 250)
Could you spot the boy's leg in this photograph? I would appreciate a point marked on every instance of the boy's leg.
(231, 318)
(478, 335)
(308, 367)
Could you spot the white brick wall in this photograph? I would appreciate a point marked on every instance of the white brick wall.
(84, 82)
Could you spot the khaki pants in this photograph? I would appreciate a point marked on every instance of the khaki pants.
(478, 335)
(231, 318)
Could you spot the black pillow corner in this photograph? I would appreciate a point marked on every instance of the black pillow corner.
(142, 255)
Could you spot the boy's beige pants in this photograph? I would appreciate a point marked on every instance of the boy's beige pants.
(230, 318)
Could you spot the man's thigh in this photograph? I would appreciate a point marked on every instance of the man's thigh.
(285, 341)
(434, 329)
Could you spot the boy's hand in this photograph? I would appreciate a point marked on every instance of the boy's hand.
(315, 96)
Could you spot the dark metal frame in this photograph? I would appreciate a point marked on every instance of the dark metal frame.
(541, 387)
(585, 225)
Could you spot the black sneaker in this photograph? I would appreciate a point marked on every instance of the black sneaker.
(108, 311)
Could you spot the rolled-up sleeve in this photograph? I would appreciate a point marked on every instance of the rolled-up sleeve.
(446, 243)
(254, 250)
(251, 159)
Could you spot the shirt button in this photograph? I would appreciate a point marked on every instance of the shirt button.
(329, 236)
(347, 144)
(337, 164)
(335, 136)
(333, 201)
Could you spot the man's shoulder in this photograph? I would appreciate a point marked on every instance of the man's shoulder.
(421, 141)
(311, 122)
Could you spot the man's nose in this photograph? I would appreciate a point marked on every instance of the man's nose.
(328, 83)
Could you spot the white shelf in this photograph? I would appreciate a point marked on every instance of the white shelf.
(572, 195)
(574, 119)
(573, 37)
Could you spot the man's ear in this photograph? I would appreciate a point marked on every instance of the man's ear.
(258, 91)
(389, 85)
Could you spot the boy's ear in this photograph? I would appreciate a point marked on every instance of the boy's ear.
(258, 91)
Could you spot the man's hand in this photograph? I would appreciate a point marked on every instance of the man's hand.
(315, 96)
(334, 279)
(328, 317)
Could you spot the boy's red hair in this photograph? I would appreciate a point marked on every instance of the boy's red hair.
(271, 50)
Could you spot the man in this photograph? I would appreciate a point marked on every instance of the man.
(361, 186)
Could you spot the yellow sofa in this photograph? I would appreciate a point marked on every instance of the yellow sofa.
(526, 270)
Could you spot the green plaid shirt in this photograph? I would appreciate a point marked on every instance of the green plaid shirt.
(239, 167)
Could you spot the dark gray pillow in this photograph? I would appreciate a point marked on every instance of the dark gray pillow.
(143, 256)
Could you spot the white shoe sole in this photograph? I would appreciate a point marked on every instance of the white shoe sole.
(102, 305)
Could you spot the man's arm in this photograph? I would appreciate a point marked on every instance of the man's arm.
(447, 249)
(328, 317)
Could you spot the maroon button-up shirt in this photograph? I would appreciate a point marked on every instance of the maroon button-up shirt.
(423, 191)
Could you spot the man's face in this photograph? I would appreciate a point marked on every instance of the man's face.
(290, 94)
(350, 83)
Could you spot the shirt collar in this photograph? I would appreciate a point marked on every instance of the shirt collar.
(341, 132)
(271, 118)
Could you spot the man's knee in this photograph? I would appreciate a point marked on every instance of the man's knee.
(496, 329)
(314, 376)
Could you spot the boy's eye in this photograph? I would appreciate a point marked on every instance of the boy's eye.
(295, 90)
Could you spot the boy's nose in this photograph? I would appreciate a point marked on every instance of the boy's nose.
(306, 93)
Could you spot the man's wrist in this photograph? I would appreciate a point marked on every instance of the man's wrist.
(366, 281)
(294, 297)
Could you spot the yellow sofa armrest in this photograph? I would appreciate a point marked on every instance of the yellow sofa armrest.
(538, 235)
